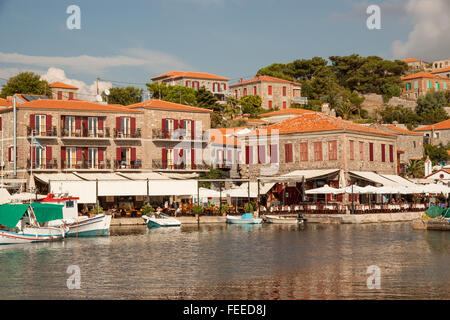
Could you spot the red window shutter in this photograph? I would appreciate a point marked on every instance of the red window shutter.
(86, 153)
(59, 95)
(85, 123)
(284, 104)
(32, 121)
(48, 153)
(164, 127)
(79, 154)
(119, 154)
(391, 153)
(270, 104)
(70, 95)
(371, 151)
(181, 124)
(100, 123)
(224, 86)
(77, 123)
(187, 83)
(32, 154)
(1, 128)
(48, 122)
(261, 154)
(245, 91)
(63, 122)
(269, 90)
(118, 124)
(230, 156)
(63, 153)
(274, 153)
(383, 153)
(235, 94)
(164, 158)
(254, 90)
(132, 125)
(284, 91)
(10, 152)
(100, 154)
(133, 154)
(192, 129)
(175, 125)
(193, 157)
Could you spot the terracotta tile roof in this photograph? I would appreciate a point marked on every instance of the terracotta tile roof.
(74, 105)
(161, 104)
(264, 79)
(401, 130)
(443, 125)
(250, 120)
(5, 103)
(62, 85)
(217, 136)
(184, 74)
(442, 70)
(443, 169)
(411, 60)
(228, 131)
(423, 75)
(286, 111)
(316, 122)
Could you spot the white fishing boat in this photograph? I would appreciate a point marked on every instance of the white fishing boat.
(283, 219)
(161, 220)
(246, 218)
(22, 223)
(78, 226)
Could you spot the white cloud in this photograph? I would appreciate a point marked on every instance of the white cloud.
(150, 60)
(85, 91)
(430, 36)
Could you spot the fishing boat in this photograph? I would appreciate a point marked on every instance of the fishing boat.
(284, 219)
(23, 223)
(161, 220)
(246, 218)
(83, 226)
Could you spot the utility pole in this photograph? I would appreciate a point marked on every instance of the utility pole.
(96, 81)
(15, 135)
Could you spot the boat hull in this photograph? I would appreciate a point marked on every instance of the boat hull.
(161, 222)
(282, 220)
(239, 220)
(90, 227)
(32, 235)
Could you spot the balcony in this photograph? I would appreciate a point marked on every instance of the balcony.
(177, 135)
(159, 165)
(128, 136)
(48, 165)
(52, 133)
(132, 165)
(85, 133)
(86, 165)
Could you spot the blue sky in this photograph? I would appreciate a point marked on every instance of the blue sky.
(134, 40)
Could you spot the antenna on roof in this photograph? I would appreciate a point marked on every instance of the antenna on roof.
(99, 98)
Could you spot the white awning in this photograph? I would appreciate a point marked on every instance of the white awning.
(46, 177)
(373, 177)
(173, 187)
(180, 176)
(99, 176)
(264, 187)
(5, 197)
(400, 180)
(239, 193)
(312, 174)
(143, 176)
(122, 188)
(85, 190)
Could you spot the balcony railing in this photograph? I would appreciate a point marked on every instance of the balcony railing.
(86, 165)
(85, 133)
(120, 164)
(177, 135)
(160, 165)
(51, 164)
(122, 135)
(42, 133)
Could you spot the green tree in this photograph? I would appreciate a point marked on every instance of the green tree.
(415, 168)
(251, 105)
(212, 174)
(232, 108)
(437, 154)
(176, 94)
(345, 109)
(124, 96)
(28, 83)
(430, 107)
(206, 99)
(401, 115)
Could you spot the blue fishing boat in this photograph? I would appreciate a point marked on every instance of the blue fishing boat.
(246, 218)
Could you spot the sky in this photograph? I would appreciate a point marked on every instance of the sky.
(128, 42)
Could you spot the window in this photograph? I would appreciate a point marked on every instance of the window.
(429, 84)
(445, 85)
(269, 90)
(261, 154)
(254, 90)
(125, 126)
(391, 153)
(270, 104)
(70, 95)
(408, 86)
(383, 153)
(318, 151)
(93, 158)
(70, 204)
(352, 149)
(332, 150)
(10, 154)
(361, 151)
(40, 125)
(303, 151)
(224, 86)
(245, 91)
(370, 151)
(236, 94)
(69, 124)
(170, 127)
(288, 155)
(188, 83)
(169, 158)
(59, 95)
(416, 84)
(414, 144)
(71, 157)
(437, 85)
(284, 104)
(187, 128)
(92, 126)
(273, 153)
(284, 91)
(248, 155)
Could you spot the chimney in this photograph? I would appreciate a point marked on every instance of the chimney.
(242, 80)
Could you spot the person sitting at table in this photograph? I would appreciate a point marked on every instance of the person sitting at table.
(158, 211)
(178, 211)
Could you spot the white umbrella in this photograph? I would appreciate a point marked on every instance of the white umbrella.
(323, 190)
(238, 193)
(5, 197)
(354, 190)
(369, 189)
(208, 193)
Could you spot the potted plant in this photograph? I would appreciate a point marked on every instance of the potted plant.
(197, 210)
(224, 210)
(147, 209)
(95, 210)
(248, 208)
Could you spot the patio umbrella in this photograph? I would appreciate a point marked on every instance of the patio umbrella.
(348, 189)
(323, 190)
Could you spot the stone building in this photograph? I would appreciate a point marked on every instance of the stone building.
(416, 64)
(274, 92)
(82, 136)
(418, 84)
(444, 72)
(439, 64)
(437, 133)
(216, 84)
(63, 91)
(315, 141)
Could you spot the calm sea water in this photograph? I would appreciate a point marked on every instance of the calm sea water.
(234, 262)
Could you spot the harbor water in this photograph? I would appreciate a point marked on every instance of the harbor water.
(234, 262)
